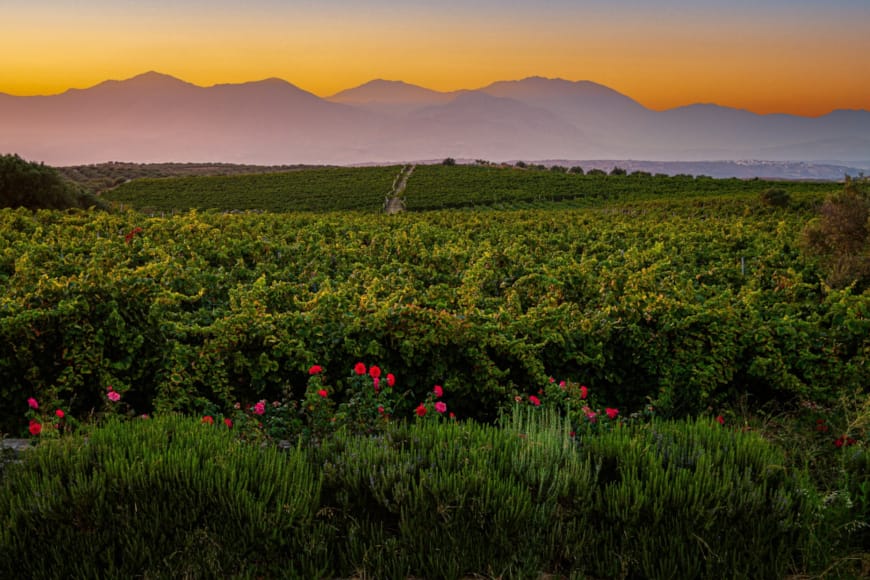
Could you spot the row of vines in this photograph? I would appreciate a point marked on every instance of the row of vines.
(680, 305)
(431, 187)
(320, 190)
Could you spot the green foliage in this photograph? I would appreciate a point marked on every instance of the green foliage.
(775, 197)
(99, 177)
(179, 497)
(157, 498)
(449, 161)
(666, 500)
(474, 186)
(318, 190)
(639, 301)
(37, 186)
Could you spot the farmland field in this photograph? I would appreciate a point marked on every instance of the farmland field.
(432, 187)
(649, 366)
(684, 292)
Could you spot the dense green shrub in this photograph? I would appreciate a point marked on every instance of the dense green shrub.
(166, 497)
(172, 497)
(665, 500)
(775, 197)
(37, 186)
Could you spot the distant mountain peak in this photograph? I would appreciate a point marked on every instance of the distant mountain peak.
(387, 91)
(147, 81)
(157, 117)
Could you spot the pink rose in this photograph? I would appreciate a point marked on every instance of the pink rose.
(31, 402)
(441, 407)
(439, 392)
(114, 396)
(535, 400)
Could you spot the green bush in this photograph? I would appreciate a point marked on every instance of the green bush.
(775, 197)
(37, 186)
(182, 498)
(663, 500)
(157, 498)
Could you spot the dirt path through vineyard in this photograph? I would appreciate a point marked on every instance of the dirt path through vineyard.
(394, 203)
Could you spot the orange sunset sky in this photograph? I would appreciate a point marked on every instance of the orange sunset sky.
(790, 56)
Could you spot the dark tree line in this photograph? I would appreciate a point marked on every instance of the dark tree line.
(38, 186)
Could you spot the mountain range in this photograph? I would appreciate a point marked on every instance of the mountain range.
(158, 118)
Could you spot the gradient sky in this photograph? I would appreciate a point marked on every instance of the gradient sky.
(793, 56)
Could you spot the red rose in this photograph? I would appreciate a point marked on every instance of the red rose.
(60, 414)
(584, 392)
(208, 420)
(611, 413)
(439, 392)
(359, 368)
(228, 423)
(35, 428)
(322, 393)
(391, 380)
(720, 419)
(535, 400)
(374, 372)
(315, 370)
(420, 410)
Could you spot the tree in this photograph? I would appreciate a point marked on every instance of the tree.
(449, 161)
(576, 170)
(775, 197)
(38, 186)
(841, 236)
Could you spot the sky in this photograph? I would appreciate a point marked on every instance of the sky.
(768, 56)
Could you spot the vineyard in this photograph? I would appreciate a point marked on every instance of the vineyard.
(318, 190)
(465, 186)
(431, 187)
(688, 304)
(100, 177)
(602, 375)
